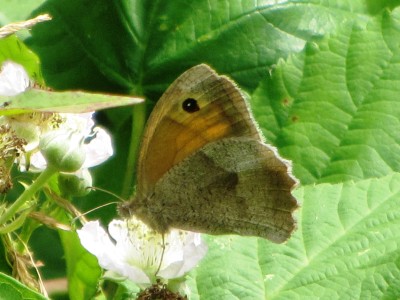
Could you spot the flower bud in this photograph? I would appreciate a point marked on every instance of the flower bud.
(63, 150)
(76, 185)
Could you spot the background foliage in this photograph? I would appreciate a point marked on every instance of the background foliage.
(324, 80)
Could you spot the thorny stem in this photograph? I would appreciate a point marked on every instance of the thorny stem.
(27, 194)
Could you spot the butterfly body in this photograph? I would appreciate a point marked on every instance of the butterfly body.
(203, 165)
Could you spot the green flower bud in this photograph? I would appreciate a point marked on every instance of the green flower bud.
(63, 150)
(76, 185)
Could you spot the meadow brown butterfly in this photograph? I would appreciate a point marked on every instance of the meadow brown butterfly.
(203, 165)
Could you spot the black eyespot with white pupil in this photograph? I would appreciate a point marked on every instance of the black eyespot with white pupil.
(190, 105)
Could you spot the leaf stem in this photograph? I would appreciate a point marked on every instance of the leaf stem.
(138, 122)
(27, 194)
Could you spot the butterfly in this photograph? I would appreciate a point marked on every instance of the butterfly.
(204, 166)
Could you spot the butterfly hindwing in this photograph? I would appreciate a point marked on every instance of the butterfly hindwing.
(232, 186)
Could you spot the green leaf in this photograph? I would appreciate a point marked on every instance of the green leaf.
(11, 48)
(14, 290)
(231, 269)
(151, 43)
(83, 270)
(346, 246)
(15, 10)
(333, 109)
(66, 102)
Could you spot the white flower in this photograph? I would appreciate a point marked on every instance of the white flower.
(97, 150)
(33, 126)
(138, 250)
(13, 79)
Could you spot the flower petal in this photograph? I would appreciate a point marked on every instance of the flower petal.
(95, 239)
(135, 274)
(99, 149)
(82, 122)
(194, 249)
(13, 79)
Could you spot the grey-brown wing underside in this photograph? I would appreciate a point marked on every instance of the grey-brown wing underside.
(235, 185)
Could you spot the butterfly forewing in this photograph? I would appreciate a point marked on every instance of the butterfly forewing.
(172, 133)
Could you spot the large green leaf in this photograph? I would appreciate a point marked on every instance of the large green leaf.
(142, 45)
(334, 109)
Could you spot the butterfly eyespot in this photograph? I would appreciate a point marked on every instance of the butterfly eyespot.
(190, 105)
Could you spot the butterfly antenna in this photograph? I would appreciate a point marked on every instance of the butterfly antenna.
(92, 210)
(101, 206)
(162, 255)
(107, 192)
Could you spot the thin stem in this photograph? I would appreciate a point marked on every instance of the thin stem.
(27, 194)
(162, 255)
(138, 121)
